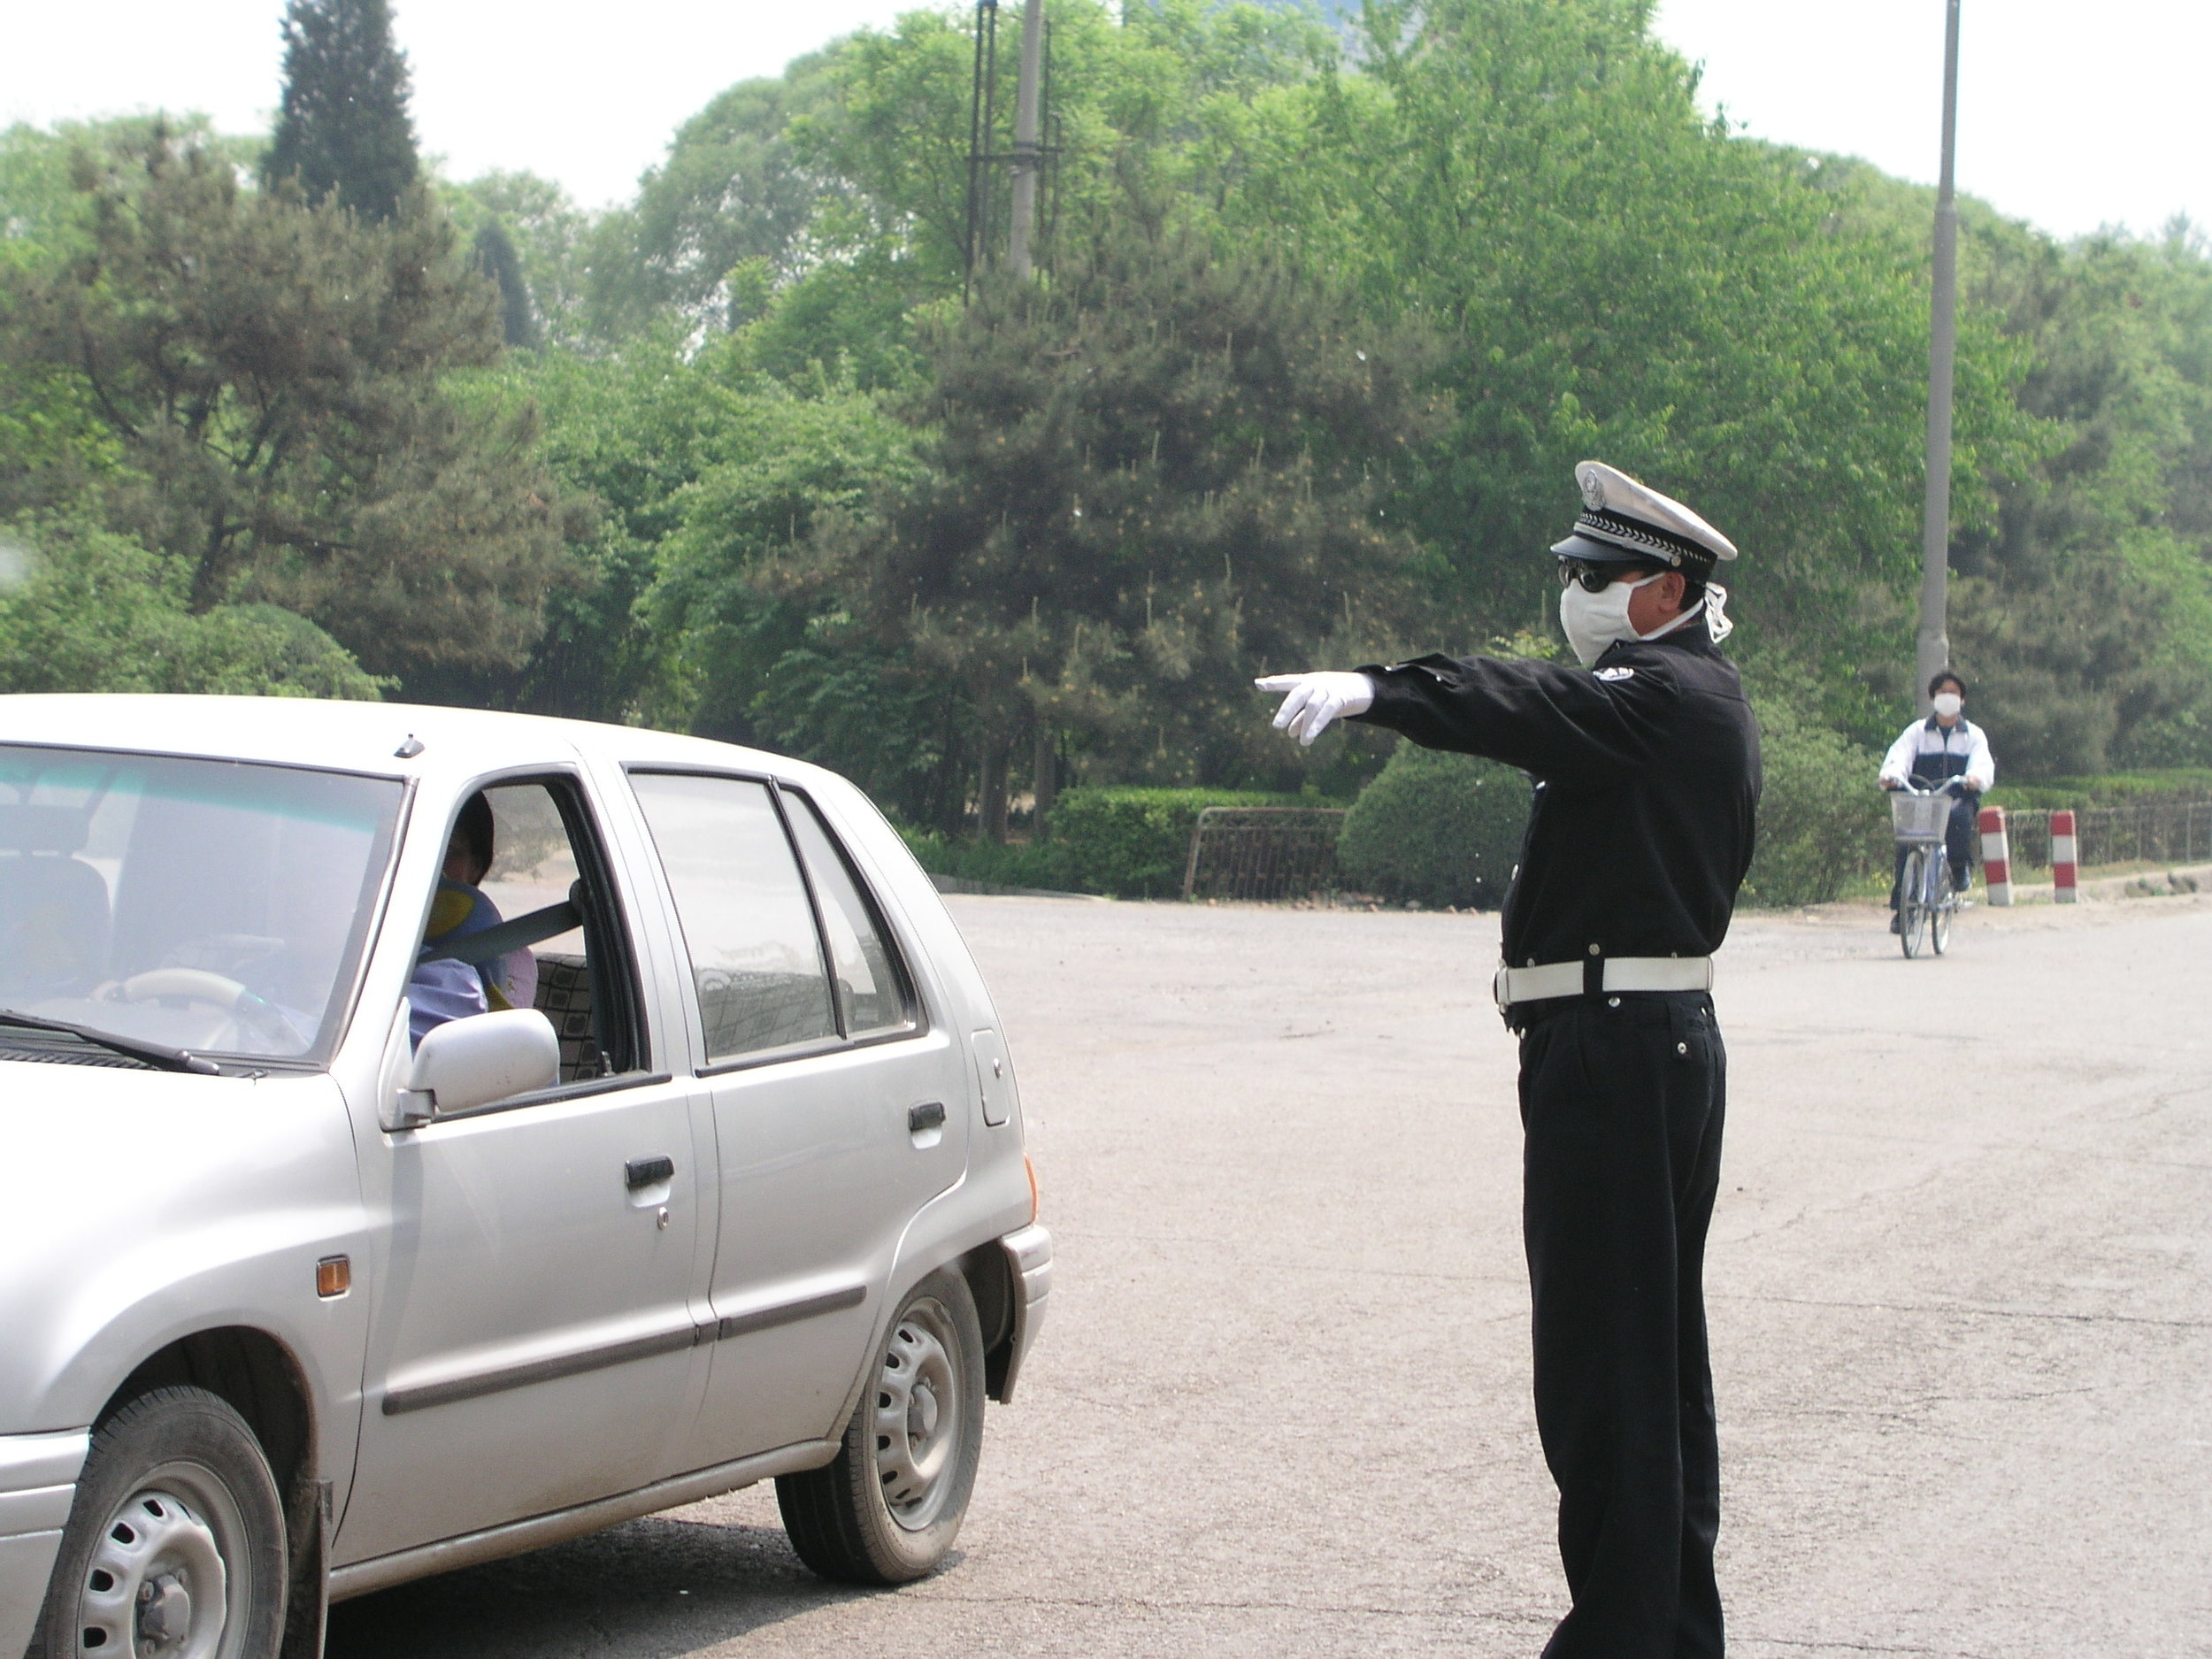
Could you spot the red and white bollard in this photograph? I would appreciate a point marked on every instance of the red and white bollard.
(2065, 858)
(1996, 856)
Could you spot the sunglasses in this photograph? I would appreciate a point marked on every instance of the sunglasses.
(1597, 577)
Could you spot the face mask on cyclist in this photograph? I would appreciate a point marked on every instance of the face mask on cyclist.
(1947, 704)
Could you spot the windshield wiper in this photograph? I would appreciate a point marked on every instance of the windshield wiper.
(158, 1053)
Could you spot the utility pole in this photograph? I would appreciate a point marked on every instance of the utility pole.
(1935, 531)
(1028, 162)
(1028, 159)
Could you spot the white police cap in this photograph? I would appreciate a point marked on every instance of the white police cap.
(1624, 519)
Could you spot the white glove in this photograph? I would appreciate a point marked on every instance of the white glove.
(1314, 700)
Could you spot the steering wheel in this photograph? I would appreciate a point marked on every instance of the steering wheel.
(216, 990)
(193, 985)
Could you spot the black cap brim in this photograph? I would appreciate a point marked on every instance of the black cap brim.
(1595, 552)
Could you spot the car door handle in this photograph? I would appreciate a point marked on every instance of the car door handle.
(929, 1115)
(648, 1172)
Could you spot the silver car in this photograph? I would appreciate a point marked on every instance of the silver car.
(430, 1134)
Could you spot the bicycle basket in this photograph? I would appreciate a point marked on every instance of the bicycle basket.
(1919, 818)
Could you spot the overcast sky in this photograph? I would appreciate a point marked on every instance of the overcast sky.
(2063, 120)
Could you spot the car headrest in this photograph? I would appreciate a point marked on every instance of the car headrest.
(42, 829)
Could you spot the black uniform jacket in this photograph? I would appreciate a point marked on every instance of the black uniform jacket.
(1646, 769)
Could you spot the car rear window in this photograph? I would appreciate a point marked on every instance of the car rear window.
(748, 921)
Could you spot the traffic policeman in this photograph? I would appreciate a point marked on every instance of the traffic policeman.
(1646, 763)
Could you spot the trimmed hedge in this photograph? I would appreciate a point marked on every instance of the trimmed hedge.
(1132, 843)
(2119, 788)
(1135, 843)
(1437, 829)
(1017, 865)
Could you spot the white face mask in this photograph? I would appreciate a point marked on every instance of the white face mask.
(1595, 620)
(1947, 703)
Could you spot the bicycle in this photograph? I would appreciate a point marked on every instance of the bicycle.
(1926, 900)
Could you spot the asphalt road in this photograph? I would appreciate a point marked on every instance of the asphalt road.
(1961, 1282)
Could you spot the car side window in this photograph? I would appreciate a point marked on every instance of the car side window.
(872, 992)
(522, 858)
(747, 918)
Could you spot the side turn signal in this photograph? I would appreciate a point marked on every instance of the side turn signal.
(334, 1276)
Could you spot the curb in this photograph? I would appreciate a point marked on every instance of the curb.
(2149, 884)
(993, 890)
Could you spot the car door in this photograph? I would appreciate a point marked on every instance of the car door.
(838, 1105)
(534, 1337)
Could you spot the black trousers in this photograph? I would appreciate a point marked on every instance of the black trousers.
(1622, 1099)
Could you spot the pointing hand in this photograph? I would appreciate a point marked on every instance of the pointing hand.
(1316, 699)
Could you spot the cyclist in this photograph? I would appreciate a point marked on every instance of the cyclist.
(1929, 753)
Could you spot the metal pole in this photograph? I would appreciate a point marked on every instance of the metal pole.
(1025, 155)
(1935, 531)
(986, 11)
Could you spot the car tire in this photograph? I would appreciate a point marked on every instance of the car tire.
(175, 1542)
(886, 1510)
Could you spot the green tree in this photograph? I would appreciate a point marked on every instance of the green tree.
(731, 190)
(272, 379)
(2084, 604)
(493, 254)
(84, 609)
(786, 666)
(1618, 276)
(342, 128)
(627, 431)
(551, 234)
(1149, 479)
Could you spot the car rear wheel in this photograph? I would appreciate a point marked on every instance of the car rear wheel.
(887, 1510)
(175, 1546)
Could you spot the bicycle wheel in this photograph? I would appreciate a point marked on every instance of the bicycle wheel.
(1912, 901)
(1943, 906)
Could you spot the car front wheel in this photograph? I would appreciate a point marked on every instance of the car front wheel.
(887, 1510)
(175, 1546)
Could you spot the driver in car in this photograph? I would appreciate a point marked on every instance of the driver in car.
(441, 988)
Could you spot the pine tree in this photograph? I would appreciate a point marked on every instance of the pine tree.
(344, 126)
(1149, 480)
(495, 257)
(275, 378)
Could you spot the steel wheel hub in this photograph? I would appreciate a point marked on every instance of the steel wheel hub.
(917, 1415)
(156, 1587)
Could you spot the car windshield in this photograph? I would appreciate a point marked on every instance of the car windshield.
(210, 905)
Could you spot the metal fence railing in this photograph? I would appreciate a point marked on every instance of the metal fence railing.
(1263, 852)
(2154, 831)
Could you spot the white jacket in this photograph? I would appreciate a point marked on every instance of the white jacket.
(1931, 737)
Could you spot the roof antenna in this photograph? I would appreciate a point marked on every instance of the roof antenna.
(409, 750)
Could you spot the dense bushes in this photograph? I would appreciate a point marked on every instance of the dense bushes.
(1436, 829)
(1442, 829)
(1135, 842)
(1041, 864)
(82, 610)
(1823, 827)
(1132, 843)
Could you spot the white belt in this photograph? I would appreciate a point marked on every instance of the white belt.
(1619, 974)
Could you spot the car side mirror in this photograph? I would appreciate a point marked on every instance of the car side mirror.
(474, 1062)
